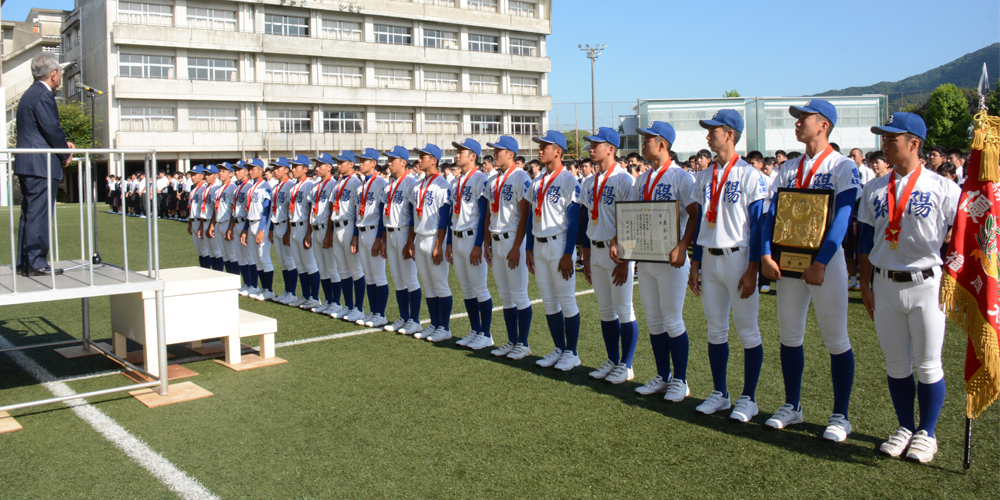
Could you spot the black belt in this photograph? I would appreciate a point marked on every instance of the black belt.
(393, 229)
(202, 219)
(297, 224)
(463, 234)
(338, 223)
(719, 251)
(501, 236)
(365, 228)
(240, 220)
(279, 223)
(599, 244)
(545, 239)
(317, 227)
(905, 276)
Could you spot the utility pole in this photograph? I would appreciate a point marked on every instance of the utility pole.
(593, 53)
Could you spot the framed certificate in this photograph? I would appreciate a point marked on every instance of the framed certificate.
(801, 220)
(647, 230)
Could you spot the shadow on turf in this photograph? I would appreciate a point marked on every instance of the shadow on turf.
(804, 438)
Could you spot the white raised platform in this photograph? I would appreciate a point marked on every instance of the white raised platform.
(73, 284)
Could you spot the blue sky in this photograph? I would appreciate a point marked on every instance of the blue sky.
(675, 49)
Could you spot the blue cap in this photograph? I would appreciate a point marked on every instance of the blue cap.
(281, 162)
(398, 152)
(818, 106)
(431, 150)
(325, 158)
(300, 160)
(660, 129)
(729, 117)
(225, 165)
(471, 145)
(256, 162)
(240, 165)
(370, 154)
(552, 137)
(605, 134)
(198, 169)
(903, 123)
(505, 142)
(346, 155)
(210, 169)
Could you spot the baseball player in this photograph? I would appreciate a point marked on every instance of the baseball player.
(198, 192)
(906, 216)
(320, 195)
(430, 221)
(393, 232)
(611, 277)
(208, 214)
(236, 222)
(661, 285)
(825, 280)
(468, 230)
(344, 219)
(363, 243)
(282, 196)
(731, 195)
(255, 229)
(509, 197)
(553, 229)
(222, 209)
(298, 239)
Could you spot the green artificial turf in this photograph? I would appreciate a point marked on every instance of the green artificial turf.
(386, 416)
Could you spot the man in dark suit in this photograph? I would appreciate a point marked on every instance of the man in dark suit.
(38, 127)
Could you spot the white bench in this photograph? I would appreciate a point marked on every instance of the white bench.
(252, 325)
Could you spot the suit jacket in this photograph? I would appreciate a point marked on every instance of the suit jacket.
(38, 127)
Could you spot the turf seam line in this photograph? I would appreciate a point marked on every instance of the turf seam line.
(162, 469)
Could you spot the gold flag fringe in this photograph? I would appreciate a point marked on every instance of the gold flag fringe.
(962, 307)
(986, 138)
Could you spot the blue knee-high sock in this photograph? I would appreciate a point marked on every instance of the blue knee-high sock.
(444, 305)
(284, 278)
(327, 288)
(304, 280)
(432, 310)
(903, 391)
(523, 325)
(661, 354)
(359, 293)
(314, 286)
(842, 373)
(267, 279)
(472, 307)
(235, 267)
(253, 275)
(293, 278)
(718, 359)
(753, 359)
(931, 398)
(611, 330)
(793, 362)
(346, 284)
(229, 267)
(573, 333)
(414, 305)
(486, 316)
(218, 264)
(245, 274)
(510, 321)
(372, 297)
(679, 355)
(630, 337)
(557, 328)
(403, 301)
(335, 290)
(382, 292)
(203, 262)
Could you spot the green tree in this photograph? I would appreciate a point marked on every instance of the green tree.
(947, 117)
(75, 121)
(731, 93)
(993, 100)
(575, 143)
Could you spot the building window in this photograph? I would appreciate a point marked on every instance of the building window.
(145, 13)
(291, 73)
(483, 43)
(286, 25)
(437, 80)
(441, 123)
(484, 84)
(288, 121)
(211, 19)
(857, 116)
(341, 76)
(485, 124)
(218, 70)
(212, 120)
(522, 47)
(780, 119)
(394, 123)
(523, 86)
(441, 3)
(53, 49)
(523, 9)
(393, 35)
(342, 30)
(440, 39)
(524, 125)
(139, 119)
(483, 5)
(343, 122)
(137, 66)
(393, 78)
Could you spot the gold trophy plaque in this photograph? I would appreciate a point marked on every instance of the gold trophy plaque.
(801, 220)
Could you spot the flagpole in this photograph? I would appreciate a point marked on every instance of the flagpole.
(968, 444)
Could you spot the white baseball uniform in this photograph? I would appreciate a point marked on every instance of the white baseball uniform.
(427, 199)
(343, 216)
(397, 221)
(319, 195)
(514, 185)
(465, 229)
(223, 211)
(549, 230)
(258, 203)
(195, 214)
(282, 196)
(243, 255)
(614, 303)
(298, 220)
(209, 202)
(367, 219)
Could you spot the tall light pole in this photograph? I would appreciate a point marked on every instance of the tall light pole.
(593, 53)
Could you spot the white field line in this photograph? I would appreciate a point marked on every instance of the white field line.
(162, 469)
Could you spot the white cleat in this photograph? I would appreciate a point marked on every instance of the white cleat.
(897, 443)
(340, 313)
(377, 321)
(654, 386)
(520, 351)
(567, 361)
(395, 326)
(354, 315)
(253, 292)
(550, 359)
(426, 332)
(309, 304)
(838, 429)
(677, 390)
(468, 339)
(604, 370)
(713, 403)
(785, 416)
(244, 290)
(482, 341)
(745, 409)
(440, 335)
(362, 321)
(298, 302)
(333, 309)
(922, 448)
(321, 309)
(285, 298)
(765, 289)
(502, 350)
(266, 295)
(410, 327)
(620, 374)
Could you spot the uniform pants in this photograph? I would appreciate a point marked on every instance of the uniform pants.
(435, 277)
(261, 252)
(471, 278)
(215, 243)
(558, 294)
(662, 289)
(33, 226)
(304, 259)
(201, 245)
(720, 277)
(512, 284)
(829, 301)
(404, 271)
(284, 253)
(614, 303)
(326, 260)
(373, 267)
(910, 327)
(347, 262)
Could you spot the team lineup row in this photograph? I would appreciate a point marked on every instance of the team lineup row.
(337, 231)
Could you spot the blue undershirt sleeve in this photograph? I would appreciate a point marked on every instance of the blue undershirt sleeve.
(381, 221)
(481, 225)
(573, 229)
(267, 210)
(444, 221)
(584, 239)
(838, 229)
(356, 232)
(768, 234)
(529, 239)
(866, 241)
(755, 210)
(413, 215)
(697, 250)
